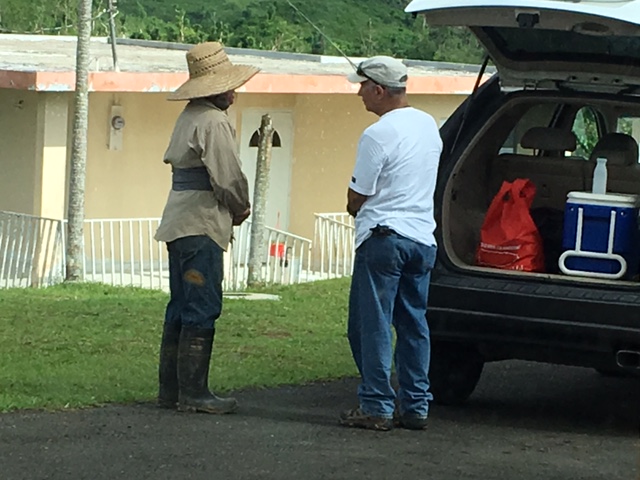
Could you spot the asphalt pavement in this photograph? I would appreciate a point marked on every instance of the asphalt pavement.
(525, 421)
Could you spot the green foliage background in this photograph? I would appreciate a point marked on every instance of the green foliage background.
(358, 28)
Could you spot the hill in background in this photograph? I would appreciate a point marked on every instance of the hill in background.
(359, 28)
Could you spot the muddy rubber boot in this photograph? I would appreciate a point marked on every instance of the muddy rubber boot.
(194, 356)
(168, 366)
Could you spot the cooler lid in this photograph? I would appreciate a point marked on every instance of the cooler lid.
(606, 199)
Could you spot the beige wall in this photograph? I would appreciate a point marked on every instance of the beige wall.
(262, 100)
(53, 151)
(327, 129)
(132, 182)
(18, 146)
(440, 106)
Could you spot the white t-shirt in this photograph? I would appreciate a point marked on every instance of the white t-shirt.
(396, 167)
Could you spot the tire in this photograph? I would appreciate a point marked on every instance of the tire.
(454, 372)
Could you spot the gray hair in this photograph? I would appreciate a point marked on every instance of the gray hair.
(395, 91)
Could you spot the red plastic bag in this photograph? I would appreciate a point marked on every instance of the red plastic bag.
(509, 239)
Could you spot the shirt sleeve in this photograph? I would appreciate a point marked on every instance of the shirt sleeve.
(220, 156)
(369, 161)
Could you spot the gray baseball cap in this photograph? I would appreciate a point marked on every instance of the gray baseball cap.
(386, 71)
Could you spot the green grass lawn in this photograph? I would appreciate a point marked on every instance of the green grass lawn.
(77, 345)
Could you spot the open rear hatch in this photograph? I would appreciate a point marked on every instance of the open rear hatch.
(588, 48)
(582, 45)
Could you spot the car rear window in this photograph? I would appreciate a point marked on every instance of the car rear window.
(537, 116)
(629, 125)
(539, 44)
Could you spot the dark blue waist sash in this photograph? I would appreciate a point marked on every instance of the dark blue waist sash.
(196, 178)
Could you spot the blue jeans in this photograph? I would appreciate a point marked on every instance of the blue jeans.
(390, 286)
(195, 280)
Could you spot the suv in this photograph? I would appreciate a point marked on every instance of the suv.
(566, 92)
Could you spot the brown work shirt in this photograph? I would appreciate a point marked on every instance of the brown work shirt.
(203, 136)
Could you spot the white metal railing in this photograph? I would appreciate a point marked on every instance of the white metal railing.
(124, 252)
(341, 217)
(31, 251)
(286, 258)
(334, 240)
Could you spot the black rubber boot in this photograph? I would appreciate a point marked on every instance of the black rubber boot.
(194, 356)
(168, 368)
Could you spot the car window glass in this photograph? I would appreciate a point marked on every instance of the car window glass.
(629, 125)
(537, 116)
(538, 44)
(585, 127)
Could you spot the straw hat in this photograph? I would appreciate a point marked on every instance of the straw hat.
(211, 73)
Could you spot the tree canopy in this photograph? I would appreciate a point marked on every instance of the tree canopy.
(358, 28)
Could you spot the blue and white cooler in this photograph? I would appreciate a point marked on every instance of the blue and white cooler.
(600, 236)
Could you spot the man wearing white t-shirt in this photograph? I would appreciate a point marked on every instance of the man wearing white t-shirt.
(391, 197)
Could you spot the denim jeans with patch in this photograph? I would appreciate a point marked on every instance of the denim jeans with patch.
(195, 280)
(390, 286)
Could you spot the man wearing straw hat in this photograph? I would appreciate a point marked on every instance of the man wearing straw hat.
(209, 195)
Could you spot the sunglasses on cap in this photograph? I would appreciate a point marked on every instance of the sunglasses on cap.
(361, 73)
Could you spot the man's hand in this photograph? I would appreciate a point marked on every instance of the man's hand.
(354, 202)
(351, 212)
(238, 219)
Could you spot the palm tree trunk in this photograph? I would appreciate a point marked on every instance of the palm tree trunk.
(75, 213)
(263, 164)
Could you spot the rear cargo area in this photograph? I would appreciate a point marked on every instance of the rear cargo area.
(520, 143)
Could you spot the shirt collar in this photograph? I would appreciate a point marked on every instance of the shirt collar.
(205, 102)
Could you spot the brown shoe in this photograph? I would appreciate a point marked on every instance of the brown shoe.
(410, 421)
(356, 418)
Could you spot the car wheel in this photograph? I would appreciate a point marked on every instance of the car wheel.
(454, 372)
